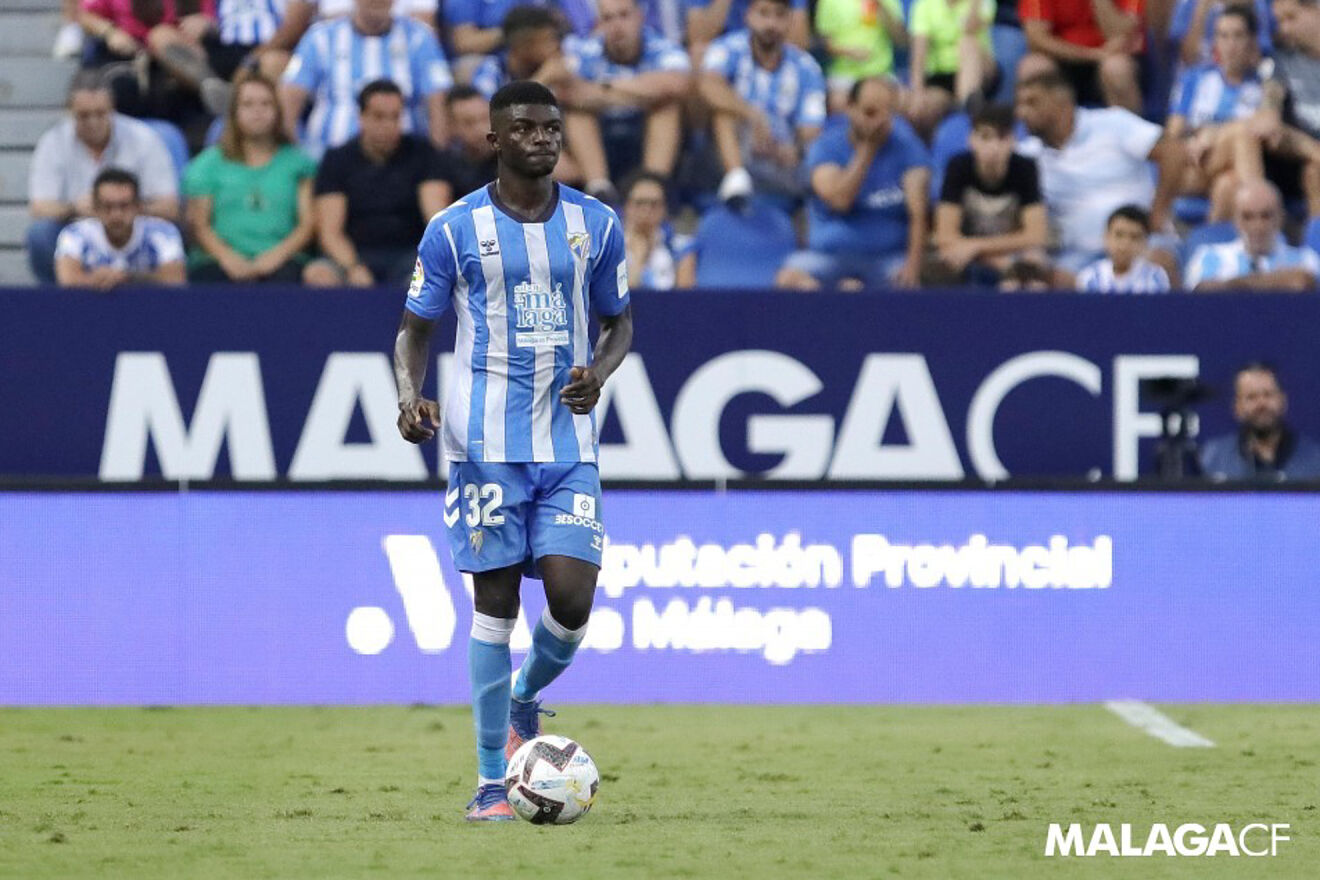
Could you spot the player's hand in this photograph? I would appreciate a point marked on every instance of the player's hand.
(413, 418)
(582, 393)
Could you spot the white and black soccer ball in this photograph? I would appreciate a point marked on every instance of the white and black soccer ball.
(551, 780)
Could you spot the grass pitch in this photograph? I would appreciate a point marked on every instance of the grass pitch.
(687, 791)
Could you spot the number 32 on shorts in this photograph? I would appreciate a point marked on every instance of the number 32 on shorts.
(483, 503)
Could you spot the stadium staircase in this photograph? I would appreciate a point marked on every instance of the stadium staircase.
(32, 92)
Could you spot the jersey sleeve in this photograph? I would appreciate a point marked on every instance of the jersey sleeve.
(430, 68)
(1135, 135)
(434, 273)
(1310, 261)
(811, 106)
(1088, 280)
(1029, 193)
(609, 272)
(69, 243)
(1203, 266)
(1181, 102)
(167, 243)
(306, 67)
(486, 78)
(718, 59)
(956, 179)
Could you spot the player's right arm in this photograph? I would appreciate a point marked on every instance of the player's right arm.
(428, 296)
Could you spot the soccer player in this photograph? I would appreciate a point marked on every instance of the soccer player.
(522, 260)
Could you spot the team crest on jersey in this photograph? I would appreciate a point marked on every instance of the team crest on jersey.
(476, 539)
(580, 244)
(542, 315)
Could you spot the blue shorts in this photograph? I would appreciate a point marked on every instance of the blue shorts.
(500, 514)
(829, 269)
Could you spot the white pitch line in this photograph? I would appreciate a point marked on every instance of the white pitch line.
(1147, 718)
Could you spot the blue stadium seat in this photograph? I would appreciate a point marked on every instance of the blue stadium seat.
(1213, 233)
(1191, 210)
(742, 249)
(1009, 45)
(213, 131)
(949, 140)
(175, 142)
(1312, 237)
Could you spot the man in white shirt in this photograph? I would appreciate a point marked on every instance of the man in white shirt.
(119, 244)
(1093, 162)
(68, 157)
(1259, 258)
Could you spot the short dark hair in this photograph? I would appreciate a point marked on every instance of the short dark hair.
(997, 116)
(1248, 16)
(779, 2)
(1052, 80)
(521, 91)
(378, 87)
(90, 80)
(462, 92)
(521, 19)
(115, 176)
(855, 91)
(1260, 366)
(645, 176)
(1135, 213)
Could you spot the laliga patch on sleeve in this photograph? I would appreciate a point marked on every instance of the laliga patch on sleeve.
(418, 279)
(621, 278)
(584, 505)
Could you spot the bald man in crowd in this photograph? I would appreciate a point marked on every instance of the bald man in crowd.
(1259, 258)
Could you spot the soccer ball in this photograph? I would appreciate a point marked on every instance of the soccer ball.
(551, 780)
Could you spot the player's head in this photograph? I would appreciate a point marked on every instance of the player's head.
(1235, 39)
(991, 142)
(115, 201)
(1043, 101)
(380, 116)
(469, 119)
(620, 23)
(527, 130)
(1125, 235)
(92, 106)
(531, 38)
(768, 21)
(1258, 216)
(1259, 403)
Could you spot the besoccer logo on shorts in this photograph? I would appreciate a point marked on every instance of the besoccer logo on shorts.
(584, 505)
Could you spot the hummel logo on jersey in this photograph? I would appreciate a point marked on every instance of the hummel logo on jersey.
(490, 247)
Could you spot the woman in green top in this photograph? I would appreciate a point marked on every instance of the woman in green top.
(250, 196)
(951, 58)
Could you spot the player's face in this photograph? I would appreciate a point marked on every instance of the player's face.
(528, 138)
(382, 123)
(1234, 46)
(116, 206)
(469, 122)
(254, 110)
(92, 112)
(1259, 402)
(620, 23)
(768, 21)
(1125, 240)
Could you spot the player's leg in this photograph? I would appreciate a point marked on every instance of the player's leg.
(566, 537)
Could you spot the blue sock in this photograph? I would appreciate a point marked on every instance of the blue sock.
(489, 667)
(553, 647)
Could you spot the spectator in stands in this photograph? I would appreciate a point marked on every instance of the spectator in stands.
(336, 58)
(634, 80)
(866, 216)
(767, 100)
(118, 244)
(241, 34)
(68, 157)
(169, 33)
(1192, 28)
(1094, 43)
(860, 37)
(469, 159)
(534, 50)
(1281, 142)
(374, 196)
(708, 20)
(990, 212)
(951, 59)
(648, 239)
(1093, 161)
(1124, 268)
(476, 26)
(250, 196)
(1265, 446)
(1259, 258)
(423, 10)
(299, 15)
(1209, 96)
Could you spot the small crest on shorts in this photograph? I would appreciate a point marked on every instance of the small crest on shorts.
(476, 539)
(580, 244)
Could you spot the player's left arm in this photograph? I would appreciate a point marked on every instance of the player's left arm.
(610, 300)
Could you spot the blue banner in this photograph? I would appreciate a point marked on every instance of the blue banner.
(289, 383)
(915, 596)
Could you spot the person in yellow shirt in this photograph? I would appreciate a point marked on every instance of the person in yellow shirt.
(951, 59)
(861, 36)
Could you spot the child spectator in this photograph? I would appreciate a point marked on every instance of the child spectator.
(1124, 269)
(118, 244)
(250, 196)
(990, 209)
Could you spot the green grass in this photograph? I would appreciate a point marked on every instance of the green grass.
(687, 791)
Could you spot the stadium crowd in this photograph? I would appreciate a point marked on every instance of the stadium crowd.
(1125, 146)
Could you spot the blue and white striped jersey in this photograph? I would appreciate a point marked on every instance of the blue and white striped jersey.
(334, 61)
(154, 243)
(1204, 97)
(791, 96)
(521, 293)
(1142, 276)
(592, 64)
(1224, 262)
(248, 22)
